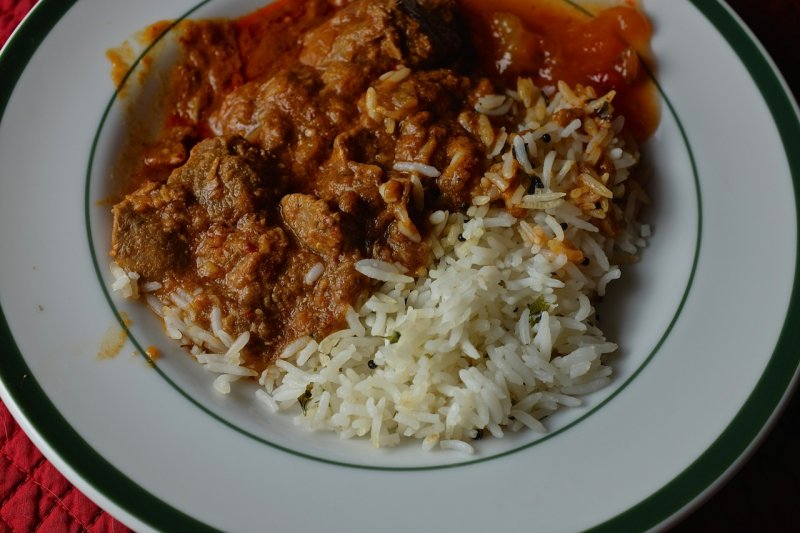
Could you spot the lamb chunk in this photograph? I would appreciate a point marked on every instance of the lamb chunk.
(322, 310)
(400, 249)
(432, 32)
(352, 175)
(290, 293)
(222, 177)
(361, 31)
(338, 288)
(227, 190)
(362, 145)
(244, 259)
(464, 170)
(266, 111)
(147, 235)
(345, 80)
(437, 94)
(419, 139)
(287, 116)
(167, 154)
(294, 119)
(236, 114)
(211, 68)
(315, 225)
(382, 33)
(268, 44)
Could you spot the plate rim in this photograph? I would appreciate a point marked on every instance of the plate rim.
(62, 444)
(766, 402)
(19, 390)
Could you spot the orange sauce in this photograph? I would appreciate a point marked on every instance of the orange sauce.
(152, 353)
(123, 56)
(153, 32)
(609, 51)
(121, 59)
(269, 36)
(113, 340)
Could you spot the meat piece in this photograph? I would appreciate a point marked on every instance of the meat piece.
(351, 175)
(244, 260)
(320, 309)
(315, 225)
(361, 145)
(148, 235)
(236, 114)
(223, 176)
(438, 93)
(290, 116)
(357, 185)
(348, 81)
(338, 288)
(419, 139)
(212, 67)
(382, 33)
(464, 169)
(290, 112)
(290, 294)
(268, 44)
(303, 170)
(397, 248)
(360, 32)
(432, 32)
(167, 154)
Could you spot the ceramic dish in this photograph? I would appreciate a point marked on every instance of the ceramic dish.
(708, 354)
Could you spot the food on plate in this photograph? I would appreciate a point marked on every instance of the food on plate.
(395, 215)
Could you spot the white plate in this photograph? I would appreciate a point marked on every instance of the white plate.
(708, 353)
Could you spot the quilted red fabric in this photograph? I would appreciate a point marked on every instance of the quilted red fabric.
(33, 495)
(11, 12)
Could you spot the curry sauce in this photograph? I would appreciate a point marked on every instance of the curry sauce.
(306, 137)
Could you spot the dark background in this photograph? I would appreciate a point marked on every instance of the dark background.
(764, 495)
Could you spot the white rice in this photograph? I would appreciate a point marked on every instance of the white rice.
(382, 271)
(425, 170)
(314, 274)
(125, 283)
(498, 335)
(494, 104)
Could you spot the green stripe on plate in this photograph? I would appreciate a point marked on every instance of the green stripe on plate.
(19, 49)
(775, 384)
(73, 450)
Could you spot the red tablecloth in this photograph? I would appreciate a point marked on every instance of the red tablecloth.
(35, 497)
(11, 12)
